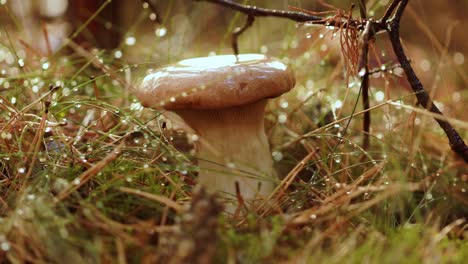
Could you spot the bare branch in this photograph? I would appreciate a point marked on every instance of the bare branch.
(456, 142)
(238, 31)
(363, 9)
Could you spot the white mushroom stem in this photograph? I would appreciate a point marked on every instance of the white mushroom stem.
(233, 147)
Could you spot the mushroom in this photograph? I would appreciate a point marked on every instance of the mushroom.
(223, 98)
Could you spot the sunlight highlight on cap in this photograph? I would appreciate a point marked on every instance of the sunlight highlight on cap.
(221, 61)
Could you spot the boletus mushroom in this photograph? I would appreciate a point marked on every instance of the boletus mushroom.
(223, 98)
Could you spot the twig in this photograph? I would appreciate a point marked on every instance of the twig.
(46, 38)
(154, 197)
(264, 12)
(364, 74)
(238, 31)
(363, 9)
(456, 142)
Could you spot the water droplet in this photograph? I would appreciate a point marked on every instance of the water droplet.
(231, 165)
(429, 196)
(321, 36)
(118, 54)
(35, 89)
(145, 166)
(6, 135)
(194, 137)
(21, 170)
(45, 65)
(459, 58)
(398, 71)
(308, 35)
(338, 104)
(31, 196)
(263, 49)
(161, 32)
(145, 5)
(5, 246)
(153, 16)
(284, 104)
(456, 97)
(362, 72)
(277, 155)
(282, 118)
(136, 106)
(323, 47)
(130, 41)
(379, 96)
(77, 181)
(425, 65)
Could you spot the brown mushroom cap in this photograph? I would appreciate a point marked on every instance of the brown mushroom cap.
(215, 82)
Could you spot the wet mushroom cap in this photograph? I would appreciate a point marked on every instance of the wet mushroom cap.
(215, 82)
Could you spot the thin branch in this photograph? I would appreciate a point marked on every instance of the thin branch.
(456, 142)
(389, 11)
(264, 12)
(363, 9)
(238, 31)
(364, 74)
(363, 69)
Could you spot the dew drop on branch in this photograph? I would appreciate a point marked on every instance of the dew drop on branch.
(362, 72)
